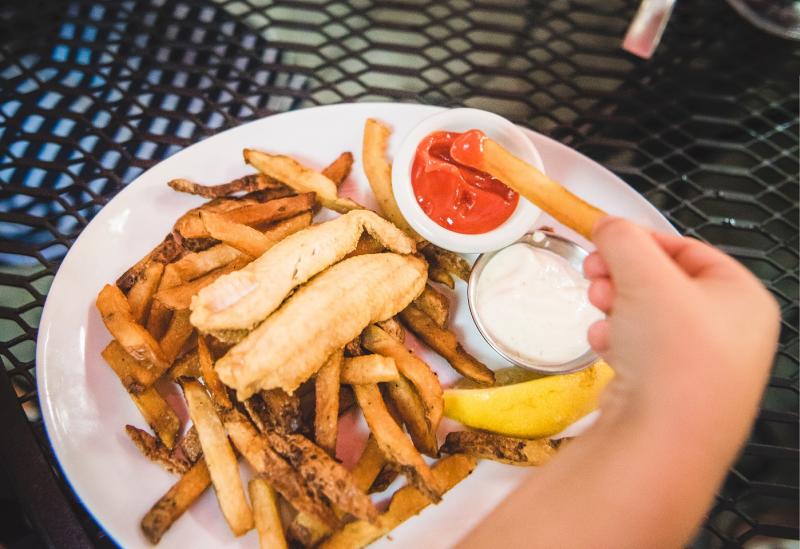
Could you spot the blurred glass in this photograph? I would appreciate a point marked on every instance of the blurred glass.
(779, 17)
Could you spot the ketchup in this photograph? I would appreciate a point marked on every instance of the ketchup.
(454, 195)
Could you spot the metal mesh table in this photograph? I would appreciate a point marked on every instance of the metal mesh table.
(92, 93)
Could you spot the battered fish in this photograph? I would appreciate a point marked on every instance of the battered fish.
(242, 299)
(332, 309)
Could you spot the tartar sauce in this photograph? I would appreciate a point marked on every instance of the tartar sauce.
(534, 304)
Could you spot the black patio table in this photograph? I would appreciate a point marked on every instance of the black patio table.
(94, 92)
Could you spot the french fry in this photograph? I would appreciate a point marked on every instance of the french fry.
(219, 457)
(323, 474)
(386, 477)
(196, 264)
(248, 183)
(307, 531)
(410, 408)
(266, 515)
(338, 170)
(134, 375)
(438, 274)
(141, 293)
(393, 327)
(160, 315)
(300, 178)
(154, 450)
(251, 241)
(379, 173)
(514, 451)
(393, 442)
(406, 502)
(218, 391)
(180, 330)
(175, 502)
(271, 211)
(414, 369)
(369, 465)
(191, 228)
(445, 343)
(188, 365)
(368, 369)
(434, 304)
(281, 476)
(179, 297)
(282, 410)
(168, 250)
(189, 445)
(535, 186)
(131, 335)
(326, 391)
(447, 260)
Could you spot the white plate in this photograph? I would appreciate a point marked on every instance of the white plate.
(84, 405)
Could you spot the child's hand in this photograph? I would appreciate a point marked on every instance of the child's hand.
(690, 331)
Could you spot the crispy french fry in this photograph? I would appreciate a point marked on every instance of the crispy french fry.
(160, 315)
(307, 531)
(434, 304)
(188, 365)
(392, 440)
(410, 408)
(272, 211)
(438, 274)
(323, 474)
(134, 375)
(447, 260)
(393, 328)
(535, 186)
(131, 335)
(445, 343)
(406, 502)
(191, 227)
(175, 502)
(515, 451)
(326, 391)
(379, 173)
(368, 369)
(180, 297)
(386, 477)
(219, 457)
(338, 170)
(170, 249)
(282, 410)
(300, 178)
(189, 445)
(196, 264)
(180, 330)
(266, 515)
(251, 241)
(248, 183)
(218, 391)
(369, 465)
(154, 450)
(281, 476)
(413, 368)
(141, 293)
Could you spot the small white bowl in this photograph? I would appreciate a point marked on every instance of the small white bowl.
(461, 120)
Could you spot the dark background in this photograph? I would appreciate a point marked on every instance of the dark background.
(92, 93)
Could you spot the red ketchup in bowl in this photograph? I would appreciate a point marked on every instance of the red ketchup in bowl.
(454, 195)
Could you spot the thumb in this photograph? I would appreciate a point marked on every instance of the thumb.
(631, 253)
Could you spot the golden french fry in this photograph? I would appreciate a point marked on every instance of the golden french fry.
(180, 297)
(323, 474)
(368, 369)
(191, 227)
(134, 375)
(445, 343)
(248, 183)
(175, 502)
(307, 531)
(281, 476)
(160, 315)
(338, 170)
(252, 242)
(447, 260)
(178, 332)
(218, 391)
(326, 417)
(438, 274)
(196, 264)
(515, 451)
(369, 465)
(394, 328)
(154, 409)
(154, 450)
(219, 457)
(411, 411)
(189, 445)
(434, 304)
(141, 293)
(266, 515)
(136, 340)
(392, 440)
(188, 365)
(413, 368)
(272, 211)
(302, 179)
(406, 502)
(386, 477)
(282, 410)
(379, 174)
(170, 249)
(548, 194)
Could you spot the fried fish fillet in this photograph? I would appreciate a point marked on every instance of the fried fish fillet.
(242, 299)
(332, 309)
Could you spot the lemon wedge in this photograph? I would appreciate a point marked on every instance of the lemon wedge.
(529, 408)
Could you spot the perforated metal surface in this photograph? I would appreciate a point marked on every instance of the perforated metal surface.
(93, 93)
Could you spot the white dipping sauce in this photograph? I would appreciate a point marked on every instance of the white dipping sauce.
(535, 305)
